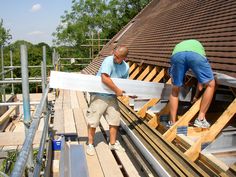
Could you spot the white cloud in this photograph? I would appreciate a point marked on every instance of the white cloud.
(35, 7)
(35, 33)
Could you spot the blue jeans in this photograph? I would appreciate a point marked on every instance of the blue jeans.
(181, 62)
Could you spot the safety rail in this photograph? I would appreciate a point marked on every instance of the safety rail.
(22, 158)
(43, 110)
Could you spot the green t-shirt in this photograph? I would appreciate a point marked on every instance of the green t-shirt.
(189, 45)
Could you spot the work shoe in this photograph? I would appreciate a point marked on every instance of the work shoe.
(90, 150)
(169, 124)
(116, 147)
(201, 123)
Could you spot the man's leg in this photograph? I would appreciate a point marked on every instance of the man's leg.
(113, 134)
(206, 100)
(174, 100)
(91, 134)
(198, 90)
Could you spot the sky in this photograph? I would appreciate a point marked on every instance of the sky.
(33, 20)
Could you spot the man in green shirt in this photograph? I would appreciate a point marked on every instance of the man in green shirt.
(190, 54)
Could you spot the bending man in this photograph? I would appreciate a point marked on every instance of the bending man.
(190, 54)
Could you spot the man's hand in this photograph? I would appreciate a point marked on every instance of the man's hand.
(119, 92)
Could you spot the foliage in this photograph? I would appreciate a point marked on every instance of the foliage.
(4, 34)
(90, 16)
(35, 55)
(85, 18)
(8, 163)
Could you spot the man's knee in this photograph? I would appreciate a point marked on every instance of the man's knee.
(175, 91)
(211, 84)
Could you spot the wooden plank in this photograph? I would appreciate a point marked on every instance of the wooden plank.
(193, 151)
(59, 101)
(69, 121)
(94, 167)
(17, 138)
(133, 66)
(66, 99)
(73, 99)
(105, 157)
(144, 73)
(160, 75)
(217, 162)
(136, 72)
(155, 121)
(216, 128)
(7, 114)
(58, 121)
(151, 74)
(196, 131)
(150, 103)
(123, 157)
(170, 134)
(165, 110)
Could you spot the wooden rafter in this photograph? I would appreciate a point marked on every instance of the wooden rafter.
(159, 76)
(151, 74)
(132, 67)
(153, 101)
(154, 121)
(194, 150)
(7, 114)
(170, 134)
(136, 72)
(144, 73)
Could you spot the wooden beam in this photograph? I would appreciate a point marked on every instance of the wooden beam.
(17, 138)
(7, 114)
(69, 121)
(159, 76)
(150, 103)
(151, 74)
(196, 131)
(153, 101)
(132, 67)
(136, 72)
(144, 73)
(215, 129)
(153, 122)
(170, 134)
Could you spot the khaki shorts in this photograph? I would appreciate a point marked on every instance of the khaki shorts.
(103, 105)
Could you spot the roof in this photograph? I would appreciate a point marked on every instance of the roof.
(153, 33)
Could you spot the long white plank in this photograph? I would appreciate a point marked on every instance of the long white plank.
(90, 83)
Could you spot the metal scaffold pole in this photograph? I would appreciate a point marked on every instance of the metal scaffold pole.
(11, 62)
(26, 103)
(44, 74)
(3, 77)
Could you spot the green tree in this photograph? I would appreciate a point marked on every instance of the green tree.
(4, 34)
(90, 16)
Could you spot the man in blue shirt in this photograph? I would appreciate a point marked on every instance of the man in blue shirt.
(106, 104)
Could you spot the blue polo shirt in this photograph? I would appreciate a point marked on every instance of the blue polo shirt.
(113, 69)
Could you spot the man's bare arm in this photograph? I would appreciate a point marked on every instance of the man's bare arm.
(109, 83)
